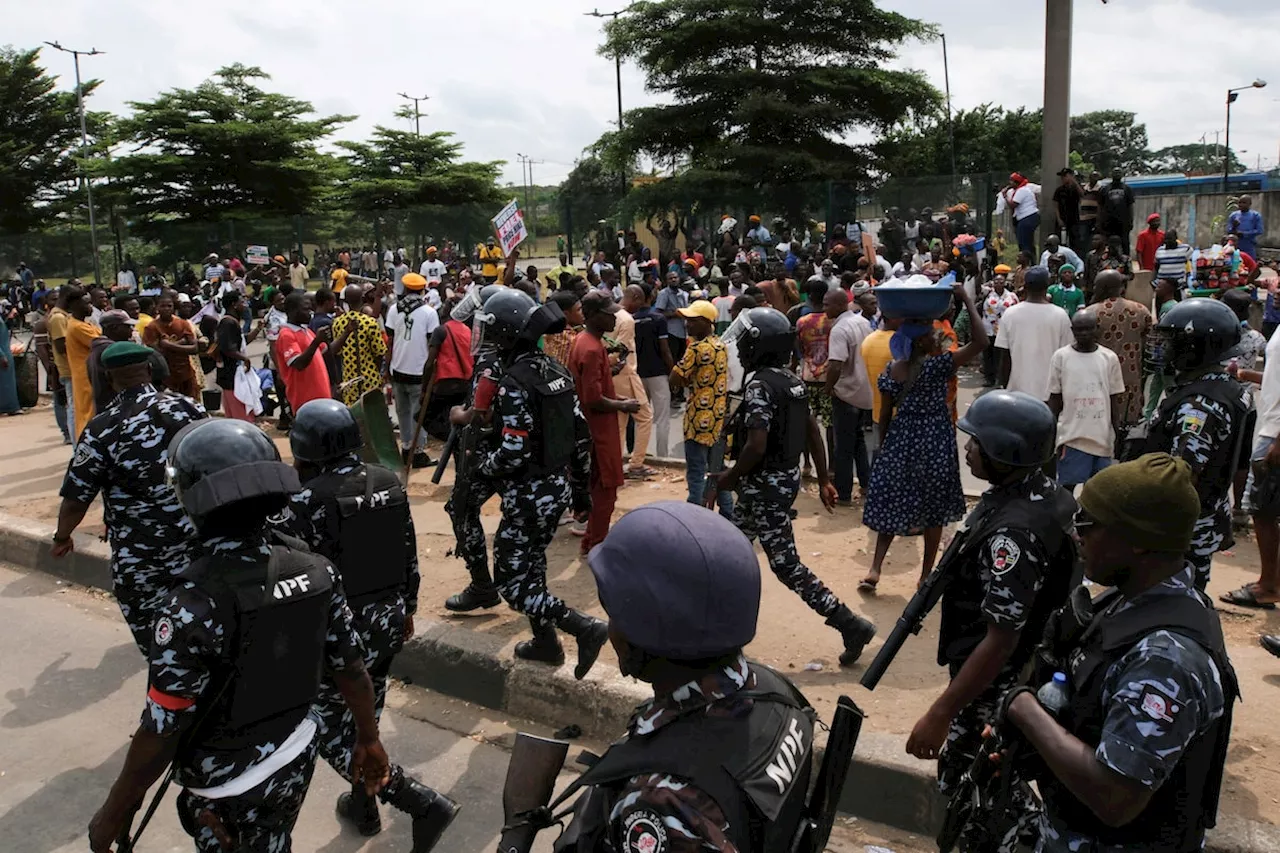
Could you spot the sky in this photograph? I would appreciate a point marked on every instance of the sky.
(512, 77)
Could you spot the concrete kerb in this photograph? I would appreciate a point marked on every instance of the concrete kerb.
(884, 784)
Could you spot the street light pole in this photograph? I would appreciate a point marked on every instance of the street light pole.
(84, 148)
(617, 70)
(1232, 94)
(417, 114)
(951, 134)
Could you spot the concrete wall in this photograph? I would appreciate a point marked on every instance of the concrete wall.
(1188, 212)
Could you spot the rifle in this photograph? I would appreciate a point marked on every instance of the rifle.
(450, 445)
(983, 795)
(820, 813)
(913, 615)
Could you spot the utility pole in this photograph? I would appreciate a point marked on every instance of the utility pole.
(617, 71)
(84, 151)
(951, 133)
(528, 162)
(417, 113)
(1055, 142)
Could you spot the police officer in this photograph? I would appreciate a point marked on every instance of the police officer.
(122, 454)
(538, 465)
(357, 516)
(471, 492)
(237, 655)
(1202, 419)
(771, 429)
(1009, 569)
(720, 758)
(1134, 760)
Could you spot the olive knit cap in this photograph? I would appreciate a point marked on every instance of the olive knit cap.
(1151, 501)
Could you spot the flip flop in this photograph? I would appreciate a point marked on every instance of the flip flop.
(1246, 597)
(868, 586)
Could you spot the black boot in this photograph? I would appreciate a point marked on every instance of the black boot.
(855, 630)
(474, 597)
(544, 647)
(432, 811)
(361, 809)
(591, 635)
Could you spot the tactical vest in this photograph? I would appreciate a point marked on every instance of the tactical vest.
(279, 616)
(756, 768)
(550, 392)
(1214, 479)
(1187, 803)
(963, 625)
(790, 425)
(364, 536)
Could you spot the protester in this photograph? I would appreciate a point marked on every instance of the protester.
(668, 302)
(175, 339)
(813, 333)
(654, 363)
(994, 304)
(627, 384)
(849, 388)
(1173, 260)
(558, 345)
(1067, 200)
(1086, 391)
(1246, 224)
(449, 368)
(1150, 239)
(1020, 197)
(296, 349)
(704, 371)
(79, 338)
(410, 323)
(230, 343)
(1116, 213)
(1064, 293)
(1053, 246)
(1123, 326)
(1029, 334)
(42, 340)
(490, 256)
(1166, 298)
(363, 354)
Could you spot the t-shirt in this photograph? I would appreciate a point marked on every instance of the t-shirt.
(302, 385)
(177, 330)
(230, 340)
(298, 276)
(671, 299)
(1067, 198)
(1032, 332)
(58, 330)
(1117, 204)
(1090, 201)
(1086, 381)
(1269, 398)
(876, 356)
(1172, 263)
(1146, 246)
(412, 336)
(432, 270)
(651, 327)
(845, 345)
(813, 332)
(1069, 299)
(993, 307)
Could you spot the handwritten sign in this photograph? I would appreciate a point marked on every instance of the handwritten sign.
(508, 225)
(257, 255)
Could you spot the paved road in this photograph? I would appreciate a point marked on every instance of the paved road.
(72, 687)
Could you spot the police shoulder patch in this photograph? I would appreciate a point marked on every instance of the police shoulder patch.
(82, 454)
(1193, 421)
(1005, 554)
(643, 832)
(164, 631)
(1157, 705)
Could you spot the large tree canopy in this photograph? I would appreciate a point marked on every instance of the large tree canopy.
(1193, 158)
(1111, 139)
(763, 95)
(988, 139)
(39, 136)
(399, 169)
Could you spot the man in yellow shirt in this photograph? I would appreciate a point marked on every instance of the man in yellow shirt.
(80, 335)
(146, 305)
(876, 355)
(490, 257)
(552, 276)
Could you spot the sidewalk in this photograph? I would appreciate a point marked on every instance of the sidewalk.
(470, 656)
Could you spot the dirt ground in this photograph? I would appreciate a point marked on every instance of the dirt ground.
(791, 637)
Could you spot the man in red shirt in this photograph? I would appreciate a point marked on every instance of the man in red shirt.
(305, 376)
(1149, 240)
(593, 378)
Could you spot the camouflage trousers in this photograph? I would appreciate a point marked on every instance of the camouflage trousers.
(531, 511)
(769, 519)
(998, 833)
(469, 532)
(141, 589)
(261, 819)
(380, 625)
(1206, 540)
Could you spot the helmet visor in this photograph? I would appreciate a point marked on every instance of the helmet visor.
(740, 328)
(467, 305)
(479, 323)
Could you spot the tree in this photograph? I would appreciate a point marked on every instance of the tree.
(590, 193)
(39, 136)
(764, 94)
(224, 150)
(1110, 139)
(1192, 159)
(988, 139)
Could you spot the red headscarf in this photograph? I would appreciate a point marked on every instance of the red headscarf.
(1017, 180)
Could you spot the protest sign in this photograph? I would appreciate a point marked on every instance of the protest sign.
(257, 255)
(509, 228)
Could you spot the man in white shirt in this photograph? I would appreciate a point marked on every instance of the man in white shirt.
(432, 268)
(1030, 333)
(850, 391)
(410, 322)
(1086, 391)
(1053, 246)
(1264, 466)
(828, 274)
(297, 273)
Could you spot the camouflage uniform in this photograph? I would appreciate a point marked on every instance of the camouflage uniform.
(467, 528)
(693, 821)
(1204, 432)
(1011, 567)
(1135, 745)
(531, 508)
(765, 496)
(191, 644)
(122, 453)
(379, 624)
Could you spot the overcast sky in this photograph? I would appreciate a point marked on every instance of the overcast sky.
(523, 76)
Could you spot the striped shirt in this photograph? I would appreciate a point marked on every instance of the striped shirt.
(1172, 263)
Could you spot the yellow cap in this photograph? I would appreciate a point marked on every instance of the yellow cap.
(413, 281)
(700, 308)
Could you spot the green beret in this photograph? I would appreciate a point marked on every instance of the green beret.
(124, 354)
(1151, 502)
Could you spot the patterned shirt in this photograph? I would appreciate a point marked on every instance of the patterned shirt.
(758, 411)
(1203, 430)
(558, 345)
(1123, 326)
(813, 334)
(705, 369)
(361, 356)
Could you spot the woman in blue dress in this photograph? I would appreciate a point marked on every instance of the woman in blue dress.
(915, 481)
(8, 375)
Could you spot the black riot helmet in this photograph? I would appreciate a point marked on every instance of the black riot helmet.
(475, 297)
(501, 319)
(1012, 428)
(764, 337)
(1195, 333)
(223, 464)
(324, 430)
(546, 319)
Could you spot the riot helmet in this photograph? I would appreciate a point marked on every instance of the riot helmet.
(501, 319)
(323, 430)
(678, 581)
(764, 337)
(220, 463)
(1195, 333)
(472, 300)
(1012, 428)
(546, 319)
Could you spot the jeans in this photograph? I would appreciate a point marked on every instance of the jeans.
(699, 461)
(849, 452)
(62, 402)
(990, 363)
(248, 319)
(659, 390)
(408, 402)
(71, 408)
(1025, 229)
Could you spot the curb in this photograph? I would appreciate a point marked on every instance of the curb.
(884, 784)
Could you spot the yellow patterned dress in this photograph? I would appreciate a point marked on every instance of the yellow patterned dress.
(362, 355)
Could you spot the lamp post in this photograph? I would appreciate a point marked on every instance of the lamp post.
(84, 147)
(951, 134)
(617, 71)
(1232, 94)
(417, 114)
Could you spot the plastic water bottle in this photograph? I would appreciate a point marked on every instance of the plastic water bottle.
(1054, 694)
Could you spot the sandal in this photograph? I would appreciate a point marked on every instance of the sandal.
(640, 473)
(1246, 597)
(868, 586)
